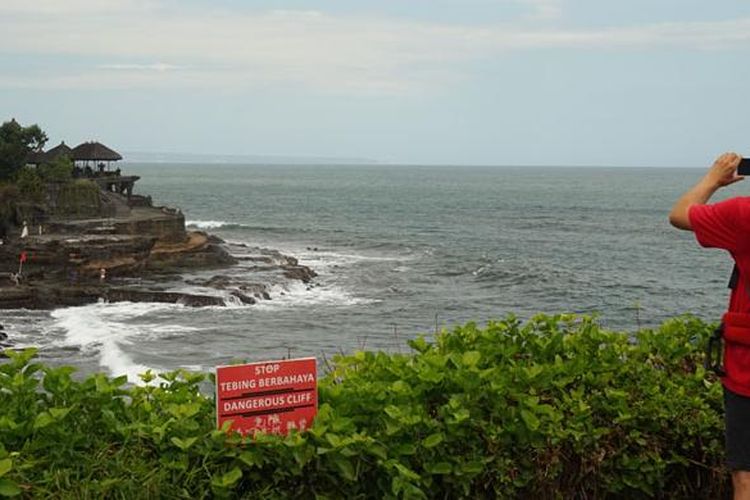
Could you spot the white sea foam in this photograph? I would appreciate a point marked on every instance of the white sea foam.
(325, 260)
(295, 295)
(104, 328)
(208, 224)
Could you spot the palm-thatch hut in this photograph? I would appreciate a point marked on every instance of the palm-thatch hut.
(61, 149)
(38, 157)
(94, 152)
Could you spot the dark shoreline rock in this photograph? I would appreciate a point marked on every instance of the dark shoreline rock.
(120, 248)
(51, 297)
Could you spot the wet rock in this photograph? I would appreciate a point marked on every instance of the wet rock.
(257, 290)
(243, 298)
(218, 282)
(302, 273)
(50, 297)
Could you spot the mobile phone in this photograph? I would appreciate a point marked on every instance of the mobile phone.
(744, 167)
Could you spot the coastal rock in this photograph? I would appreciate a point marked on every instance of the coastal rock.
(93, 239)
(197, 251)
(302, 273)
(241, 288)
(49, 297)
(243, 298)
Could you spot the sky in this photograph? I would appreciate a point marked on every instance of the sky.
(459, 82)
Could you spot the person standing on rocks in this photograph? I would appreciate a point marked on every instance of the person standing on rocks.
(726, 225)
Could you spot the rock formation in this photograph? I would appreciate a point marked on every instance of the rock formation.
(70, 260)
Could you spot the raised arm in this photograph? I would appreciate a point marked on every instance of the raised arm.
(722, 173)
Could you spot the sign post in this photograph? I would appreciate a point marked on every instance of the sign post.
(270, 396)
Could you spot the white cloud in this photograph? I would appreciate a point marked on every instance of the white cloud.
(72, 7)
(160, 67)
(545, 9)
(328, 52)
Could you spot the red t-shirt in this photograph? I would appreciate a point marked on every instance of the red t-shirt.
(727, 225)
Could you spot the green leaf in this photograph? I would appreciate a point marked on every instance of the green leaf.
(59, 413)
(405, 449)
(392, 411)
(183, 444)
(5, 466)
(147, 377)
(7, 423)
(249, 458)
(471, 358)
(406, 472)
(531, 420)
(400, 386)
(460, 415)
(43, 420)
(472, 467)
(379, 451)
(439, 468)
(533, 371)
(231, 477)
(8, 488)
(419, 344)
(433, 440)
(345, 466)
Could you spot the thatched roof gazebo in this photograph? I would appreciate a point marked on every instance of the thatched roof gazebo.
(52, 154)
(95, 152)
(61, 149)
(35, 158)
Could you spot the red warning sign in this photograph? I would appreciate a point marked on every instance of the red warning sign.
(272, 396)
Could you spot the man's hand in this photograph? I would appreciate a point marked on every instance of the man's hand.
(724, 170)
(722, 173)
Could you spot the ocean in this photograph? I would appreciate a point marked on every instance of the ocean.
(400, 251)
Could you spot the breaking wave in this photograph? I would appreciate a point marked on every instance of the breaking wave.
(106, 330)
(213, 224)
(294, 295)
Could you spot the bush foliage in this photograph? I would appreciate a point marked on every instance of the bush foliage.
(554, 408)
(80, 197)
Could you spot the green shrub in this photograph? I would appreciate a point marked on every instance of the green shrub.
(30, 185)
(58, 170)
(554, 408)
(78, 198)
(8, 198)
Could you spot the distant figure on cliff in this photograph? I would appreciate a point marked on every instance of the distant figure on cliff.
(726, 225)
(25, 230)
(102, 275)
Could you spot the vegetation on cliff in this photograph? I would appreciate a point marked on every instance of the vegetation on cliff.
(46, 188)
(16, 142)
(556, 407)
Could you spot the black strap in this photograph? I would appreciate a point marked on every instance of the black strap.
(735, 278)
(714, 350)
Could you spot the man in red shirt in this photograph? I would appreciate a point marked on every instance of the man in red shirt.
(726, 225)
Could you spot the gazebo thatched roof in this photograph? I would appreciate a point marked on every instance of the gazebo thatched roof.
(39, 157)
(61, 149)
(94, 151)
(35, 157)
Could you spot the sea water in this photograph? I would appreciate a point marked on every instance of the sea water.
(401, 251)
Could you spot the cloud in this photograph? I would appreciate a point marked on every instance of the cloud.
(160, 67)
(72, 7)
(331, 53)
(544, 9)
